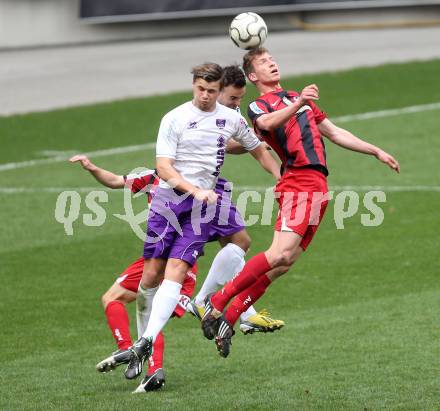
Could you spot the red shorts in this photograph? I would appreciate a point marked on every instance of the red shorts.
(302, 196)
(131, 277)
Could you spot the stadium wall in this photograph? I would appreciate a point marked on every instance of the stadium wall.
(36, 23)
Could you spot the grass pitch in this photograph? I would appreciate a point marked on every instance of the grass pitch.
(361, 306)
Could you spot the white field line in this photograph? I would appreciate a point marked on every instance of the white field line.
(387, 113)
(151, 146)
(49, 190)
(94, 154)
(390, 189)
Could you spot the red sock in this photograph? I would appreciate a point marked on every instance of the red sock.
(252, 271)
(156, 360)
(245, 299)
(117, 318)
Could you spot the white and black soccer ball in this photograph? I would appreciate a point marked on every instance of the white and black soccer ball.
(248, 31)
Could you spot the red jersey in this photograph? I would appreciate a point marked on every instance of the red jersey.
(145, 182)
(298, 143)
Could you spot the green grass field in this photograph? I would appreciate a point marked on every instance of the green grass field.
(361, 306)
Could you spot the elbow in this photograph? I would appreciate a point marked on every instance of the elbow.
(236, 151)
(334, 134)
(160, 174)
(271, 124)
(116, 183)
(333, 137)
(162, 171)
(160, 168)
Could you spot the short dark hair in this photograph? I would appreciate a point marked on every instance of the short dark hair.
(249, 58)
(207, 71)
(233, 76)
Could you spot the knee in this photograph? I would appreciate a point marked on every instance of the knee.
(243, 240)
(114, 293)
(150, 279)
(287, 259)
(106, 298)
(246, 242)
(282, 259)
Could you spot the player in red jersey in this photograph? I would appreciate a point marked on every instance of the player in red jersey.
(292, 124)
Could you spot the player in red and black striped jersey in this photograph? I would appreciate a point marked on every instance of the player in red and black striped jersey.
(293, 125)
(298, 142)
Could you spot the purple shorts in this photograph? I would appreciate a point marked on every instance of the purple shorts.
(178, 226)
(227, 220)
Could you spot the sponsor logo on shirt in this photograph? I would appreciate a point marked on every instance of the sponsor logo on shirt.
(254, 107)
(192, 125)
(220, 122)
(220, 158)
(221, 141)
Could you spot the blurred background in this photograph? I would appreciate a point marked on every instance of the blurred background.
(58, 53)
(34, 23)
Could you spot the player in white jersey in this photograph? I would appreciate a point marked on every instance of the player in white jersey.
(123, 290)
(189, 154)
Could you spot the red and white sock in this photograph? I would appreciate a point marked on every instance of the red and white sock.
(119, 323)
(246, 298)
(252, 271)
(156, 360)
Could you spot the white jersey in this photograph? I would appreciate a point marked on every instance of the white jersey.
(197, 140)
(237, 109)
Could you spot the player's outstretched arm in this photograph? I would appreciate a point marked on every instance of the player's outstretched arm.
(272, 121)
(262, 155)
(349, 141)
(106, 178)
(168, 173)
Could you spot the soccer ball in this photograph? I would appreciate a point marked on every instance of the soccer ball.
(248, 31)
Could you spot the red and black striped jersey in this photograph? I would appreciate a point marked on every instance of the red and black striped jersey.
(298, 143)
(144, 181)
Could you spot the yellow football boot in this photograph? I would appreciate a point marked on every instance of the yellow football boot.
(260, 322)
